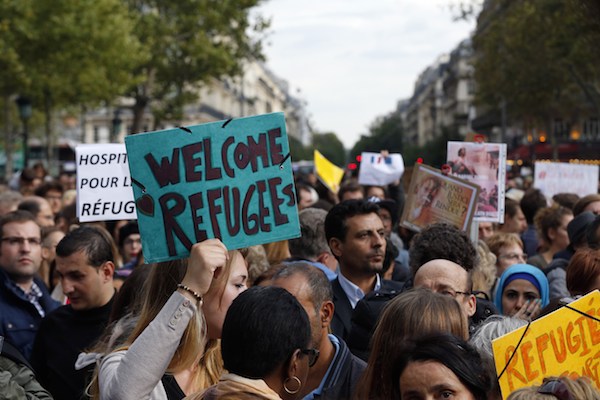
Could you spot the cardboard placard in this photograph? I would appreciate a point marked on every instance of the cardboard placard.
(483, 164)
(552, 178)
(330, 174)
(377, 169)
(230, 180)
(433, 197)
(103, 183)
(563, 343)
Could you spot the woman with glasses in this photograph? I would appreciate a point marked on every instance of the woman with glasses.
(551, 225)
(265, 342)
(554, 388)
(508, 249)
(522, 292)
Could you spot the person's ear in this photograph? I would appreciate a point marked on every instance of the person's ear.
(292, 383)
(552, 233)
(471, 305)
(336, 246)
(45, 253)
(107, 270)
(326, 313)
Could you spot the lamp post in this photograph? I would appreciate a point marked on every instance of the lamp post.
(116, 125)
(24, 105)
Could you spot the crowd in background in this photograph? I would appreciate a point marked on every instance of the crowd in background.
(357, 307)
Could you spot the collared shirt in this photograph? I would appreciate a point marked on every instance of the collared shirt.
(317, 392)
(34, 295)
(353, 292)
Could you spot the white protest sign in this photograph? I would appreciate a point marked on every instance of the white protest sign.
(103, 183)
(380, 170)
(552, 178)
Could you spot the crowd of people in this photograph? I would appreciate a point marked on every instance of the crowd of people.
(356, 307)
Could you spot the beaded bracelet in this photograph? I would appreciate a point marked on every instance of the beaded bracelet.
(192, 292)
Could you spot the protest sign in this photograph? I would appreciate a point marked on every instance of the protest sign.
(563, 343)
(552, 178)
(483, 164)
(434, 197)
(380, 170)
(330, 174)
(103, 183)
(230, 180)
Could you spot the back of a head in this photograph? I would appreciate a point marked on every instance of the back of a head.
(532, 201)
(492, 328)
(411, 314)
(578, 227)
(312, 241)
(583, 272)
(583, 202)
(262, 329)
(442, 241)
(454, 353)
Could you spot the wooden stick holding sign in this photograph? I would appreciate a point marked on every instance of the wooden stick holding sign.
(230, 180)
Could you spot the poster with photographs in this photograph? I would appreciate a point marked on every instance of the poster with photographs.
(483, 164)
(434, 197)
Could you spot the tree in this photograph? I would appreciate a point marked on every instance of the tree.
(540, 57)
(385, 133)
(189, 42)
(63, 53)
(331, 147)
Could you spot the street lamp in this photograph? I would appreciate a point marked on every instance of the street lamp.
(116, 125)
(24, 105)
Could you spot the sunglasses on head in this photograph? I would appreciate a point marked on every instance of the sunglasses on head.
(556, 388)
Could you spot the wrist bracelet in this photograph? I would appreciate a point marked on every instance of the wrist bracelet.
(192, 292)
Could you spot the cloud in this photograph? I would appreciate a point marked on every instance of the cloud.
(354, 59)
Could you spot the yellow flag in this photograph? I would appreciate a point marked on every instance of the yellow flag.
(330, 174)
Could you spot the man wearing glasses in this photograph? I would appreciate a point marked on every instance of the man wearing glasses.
(24, 299)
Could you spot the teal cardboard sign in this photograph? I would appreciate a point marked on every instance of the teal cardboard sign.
(230, 180)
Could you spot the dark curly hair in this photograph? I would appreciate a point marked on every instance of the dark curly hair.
(442, 241)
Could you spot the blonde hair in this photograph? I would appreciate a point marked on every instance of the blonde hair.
(579, 388)
(500, 239)
(484, 273)
(416, 312)
(194, 348)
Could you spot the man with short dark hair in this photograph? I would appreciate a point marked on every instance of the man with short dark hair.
(337, 371)
(53, 193)
(40, 208)
(24, 299)
(85, 264)
(356, 237)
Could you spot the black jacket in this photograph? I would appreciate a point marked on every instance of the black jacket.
(345, 372)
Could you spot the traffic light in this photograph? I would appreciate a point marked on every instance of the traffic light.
(359, 158)
(352, 166)
(420, 160)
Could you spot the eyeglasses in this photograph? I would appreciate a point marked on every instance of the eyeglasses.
(453, 293)
(556, 388)
(514, 256)
(16, 240)
(313, 355)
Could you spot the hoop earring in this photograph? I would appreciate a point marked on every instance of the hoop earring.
(295, 379)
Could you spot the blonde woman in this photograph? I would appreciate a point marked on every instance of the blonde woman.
(165, 357)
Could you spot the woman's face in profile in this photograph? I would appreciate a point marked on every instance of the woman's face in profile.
(431, 380)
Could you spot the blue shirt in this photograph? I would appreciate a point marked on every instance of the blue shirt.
(353, 292)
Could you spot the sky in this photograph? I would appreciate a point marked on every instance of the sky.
(353, 60)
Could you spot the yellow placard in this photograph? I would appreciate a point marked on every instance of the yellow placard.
(563, 343)
(330, 174)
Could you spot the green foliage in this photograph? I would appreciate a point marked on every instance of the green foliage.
(298, 151)
(385, 133)
(331, 147)
(541, 56)
(189, 42)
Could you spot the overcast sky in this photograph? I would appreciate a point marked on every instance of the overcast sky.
(352, 60)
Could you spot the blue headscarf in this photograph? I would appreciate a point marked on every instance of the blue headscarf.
(530, 271)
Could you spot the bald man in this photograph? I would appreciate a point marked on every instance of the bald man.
(449, 278)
